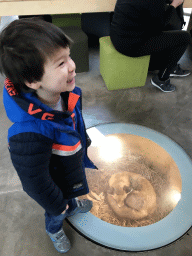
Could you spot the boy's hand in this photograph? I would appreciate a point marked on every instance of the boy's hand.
(65, 209)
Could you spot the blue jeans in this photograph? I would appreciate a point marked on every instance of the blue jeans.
(54, 223)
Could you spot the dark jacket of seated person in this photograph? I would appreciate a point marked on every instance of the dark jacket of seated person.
(138, 20)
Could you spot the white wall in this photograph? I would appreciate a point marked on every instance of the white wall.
(5, 20)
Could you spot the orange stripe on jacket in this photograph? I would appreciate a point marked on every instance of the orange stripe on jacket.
(72, 101)
(64, 150)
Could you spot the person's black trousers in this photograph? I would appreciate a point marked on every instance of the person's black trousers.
(165, 49)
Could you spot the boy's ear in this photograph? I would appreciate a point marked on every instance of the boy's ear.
(33, 85)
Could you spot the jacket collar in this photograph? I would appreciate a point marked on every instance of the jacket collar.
(29, 103)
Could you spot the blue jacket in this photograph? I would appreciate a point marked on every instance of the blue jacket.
(48, 148)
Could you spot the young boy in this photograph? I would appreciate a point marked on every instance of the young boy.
(48, 140)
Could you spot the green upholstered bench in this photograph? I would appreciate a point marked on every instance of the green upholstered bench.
(79, 49)
(120, 71)
(71, 26)
(67, 20)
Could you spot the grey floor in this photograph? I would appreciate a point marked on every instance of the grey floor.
(22, 227)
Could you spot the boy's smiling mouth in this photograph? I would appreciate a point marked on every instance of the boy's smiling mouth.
(70, 81)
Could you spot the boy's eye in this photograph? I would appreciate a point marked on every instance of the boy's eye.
(63, 62)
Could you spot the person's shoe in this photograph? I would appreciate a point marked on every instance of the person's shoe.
(179, 72)
(60, 241)
(83, 206)
(164, 86)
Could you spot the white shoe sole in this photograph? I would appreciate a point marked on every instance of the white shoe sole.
(159, 87)
(173, 75)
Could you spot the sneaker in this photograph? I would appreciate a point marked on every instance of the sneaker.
(164, 86)
(83, 206)
(179, 72)
(60, 241)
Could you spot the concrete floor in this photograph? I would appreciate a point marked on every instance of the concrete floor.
(22, 224)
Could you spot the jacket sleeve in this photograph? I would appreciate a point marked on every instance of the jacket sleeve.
(170, 13)
(88, 139)
(159, 16)
(30, 154)
(155, 15)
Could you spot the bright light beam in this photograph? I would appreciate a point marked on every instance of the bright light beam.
(109, 147)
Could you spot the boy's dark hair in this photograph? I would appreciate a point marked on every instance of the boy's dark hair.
(25, 45)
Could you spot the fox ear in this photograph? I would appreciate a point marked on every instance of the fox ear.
(127, 189)
(131, 180)
(137, 185)
(110, 190)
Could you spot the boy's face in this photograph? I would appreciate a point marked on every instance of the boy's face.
(58, 70)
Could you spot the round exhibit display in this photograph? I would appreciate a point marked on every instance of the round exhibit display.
(141, 192)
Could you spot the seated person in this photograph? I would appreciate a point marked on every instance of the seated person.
(138, 29)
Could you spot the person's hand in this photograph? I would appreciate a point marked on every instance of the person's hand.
(176, 3)
(65, 209)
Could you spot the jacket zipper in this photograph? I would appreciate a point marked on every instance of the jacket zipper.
(73, 118)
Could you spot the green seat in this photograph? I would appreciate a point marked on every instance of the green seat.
(67, 20)
(120, 71)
